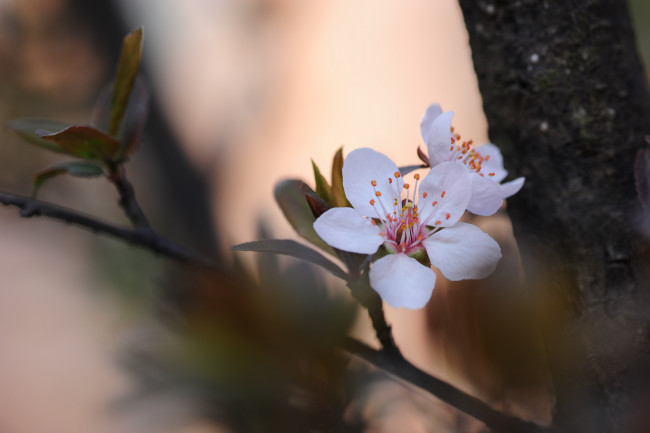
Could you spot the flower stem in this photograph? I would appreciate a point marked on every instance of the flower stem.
(370, 300)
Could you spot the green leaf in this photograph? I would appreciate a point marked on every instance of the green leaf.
(133, 121)
(74, 168)
(127, 69)
(26, 129)
(322, 187)
(83, 142)
(338, 194)
(291, 197)
(294, 249)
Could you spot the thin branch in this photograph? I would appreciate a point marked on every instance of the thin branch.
(370, 300)
(127, 200)
(400, 367)
(388, 359)
(143, 237)
(383, 330)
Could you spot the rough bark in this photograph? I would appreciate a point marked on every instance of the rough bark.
(565, 98)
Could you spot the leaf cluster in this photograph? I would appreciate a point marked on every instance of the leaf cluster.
(100, 149)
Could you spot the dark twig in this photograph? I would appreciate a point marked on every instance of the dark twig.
(400, 367)
(388, 359)
(143, 236)
(127, 200)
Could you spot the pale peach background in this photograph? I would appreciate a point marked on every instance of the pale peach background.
(253, 103)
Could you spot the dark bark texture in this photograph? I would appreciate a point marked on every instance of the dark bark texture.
(566, 100)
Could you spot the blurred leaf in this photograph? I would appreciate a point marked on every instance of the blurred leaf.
(316, 206)
(268, 265)
(305, 301)
(127, 69)
(409, 168)
(26, 129)
(338, 194)
(83, 142)
(290, 196)
(74, 168)
(133, 121)
(294, 249)
(322, 187)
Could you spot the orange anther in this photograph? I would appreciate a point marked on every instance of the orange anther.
(416, 176)
(407, 186)
(470, 142)
(424, 195)
(372, 202)
(447, 215)
(451, 129)
(397, 174)
(378, 193)
(434, 203)
(373, 182)
(390, 180)
(452, 141)
(490, 174)
(437, 222)
(442, 194)
(374, 223)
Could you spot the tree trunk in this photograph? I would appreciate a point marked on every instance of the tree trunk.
(565, 97)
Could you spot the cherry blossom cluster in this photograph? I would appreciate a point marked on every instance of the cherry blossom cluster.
(417, 222)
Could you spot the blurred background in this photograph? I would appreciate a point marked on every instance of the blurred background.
(244, 93)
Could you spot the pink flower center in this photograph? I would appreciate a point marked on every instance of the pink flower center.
(400, 221)
(464, 153)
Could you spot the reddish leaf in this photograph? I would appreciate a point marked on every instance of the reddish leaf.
(423, 157)
(84, 142)
(26, 129)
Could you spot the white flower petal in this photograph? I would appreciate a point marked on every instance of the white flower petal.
(360, 168)
(463, 251)
(402, 281)
(430, 115)
(439, 138)
(486, 196)
(344, 228)
(512, 187)
(494, 162)
(448, 188)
